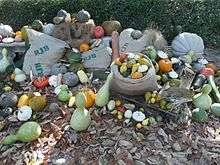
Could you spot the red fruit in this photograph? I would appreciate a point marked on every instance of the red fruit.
(207, 72)
(123, 56)
(41, 82)
(98, 32)
(121, 109)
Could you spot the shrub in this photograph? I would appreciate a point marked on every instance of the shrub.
(198, 16)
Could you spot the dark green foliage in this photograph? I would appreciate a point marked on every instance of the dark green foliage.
(198, 16)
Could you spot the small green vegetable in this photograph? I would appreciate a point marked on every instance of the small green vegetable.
(199, 115)
(203, 100)
(215, 91)
(28, 132)
(102, 96)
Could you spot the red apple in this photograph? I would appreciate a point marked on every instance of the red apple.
(98, 32)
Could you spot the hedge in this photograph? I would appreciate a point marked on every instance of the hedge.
(198, 16)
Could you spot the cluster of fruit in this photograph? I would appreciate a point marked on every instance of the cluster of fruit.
(133, 65)
(132, 114)
(154, 97)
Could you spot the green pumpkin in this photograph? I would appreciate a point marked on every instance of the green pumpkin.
(83, 16)
(199, 115)
(127, 73)
(37, 25)
(74, 57)
(64, 95)
(10, 69)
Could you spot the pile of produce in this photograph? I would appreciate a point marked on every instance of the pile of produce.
(134, 66)
(73, 85)
(132, 114)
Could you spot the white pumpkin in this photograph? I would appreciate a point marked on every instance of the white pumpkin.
(185, 42)
(24, 113)
(6, 30)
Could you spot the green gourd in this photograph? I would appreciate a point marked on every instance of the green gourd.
(215, 91)
(202, 100)
(80, 100)
(37, 25)
(64, 95)
(199, 115)
(4, 63)
(28, 132)
(81, 118)
(151, 53)
(103, 94)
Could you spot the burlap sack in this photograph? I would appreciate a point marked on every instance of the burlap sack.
(130, 86)
(128, 44)
(98, 58)
(62, 31)
(44, 51)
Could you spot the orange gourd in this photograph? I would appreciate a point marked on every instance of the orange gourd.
(90, 97)
(165, 65)
(18, 33)
(136, 75)
(212, 66)
(84, 47)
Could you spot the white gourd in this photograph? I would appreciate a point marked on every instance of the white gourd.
(4, 63)
(6, 30)
(19, 75)
(186, 42)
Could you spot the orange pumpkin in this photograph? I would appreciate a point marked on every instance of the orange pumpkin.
(90, 97)
(165, 65)
(136, 75)
(18, 33)
(212, 66)
(84, 47)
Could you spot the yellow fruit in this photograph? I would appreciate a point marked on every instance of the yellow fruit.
(118, 62)
(118, 103)
(147, 96)
(158, 98)
(123, 68)
(7, 88)
(71, 101)
(153, 95)
(120, 113)
(38, 103)
(143, 61)
(139, 125)
(135, 68)
(120, 117)
(152, 100)
(23, 100)
(12, 76)
(114, 112)
(136, 75)
(145, 122)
